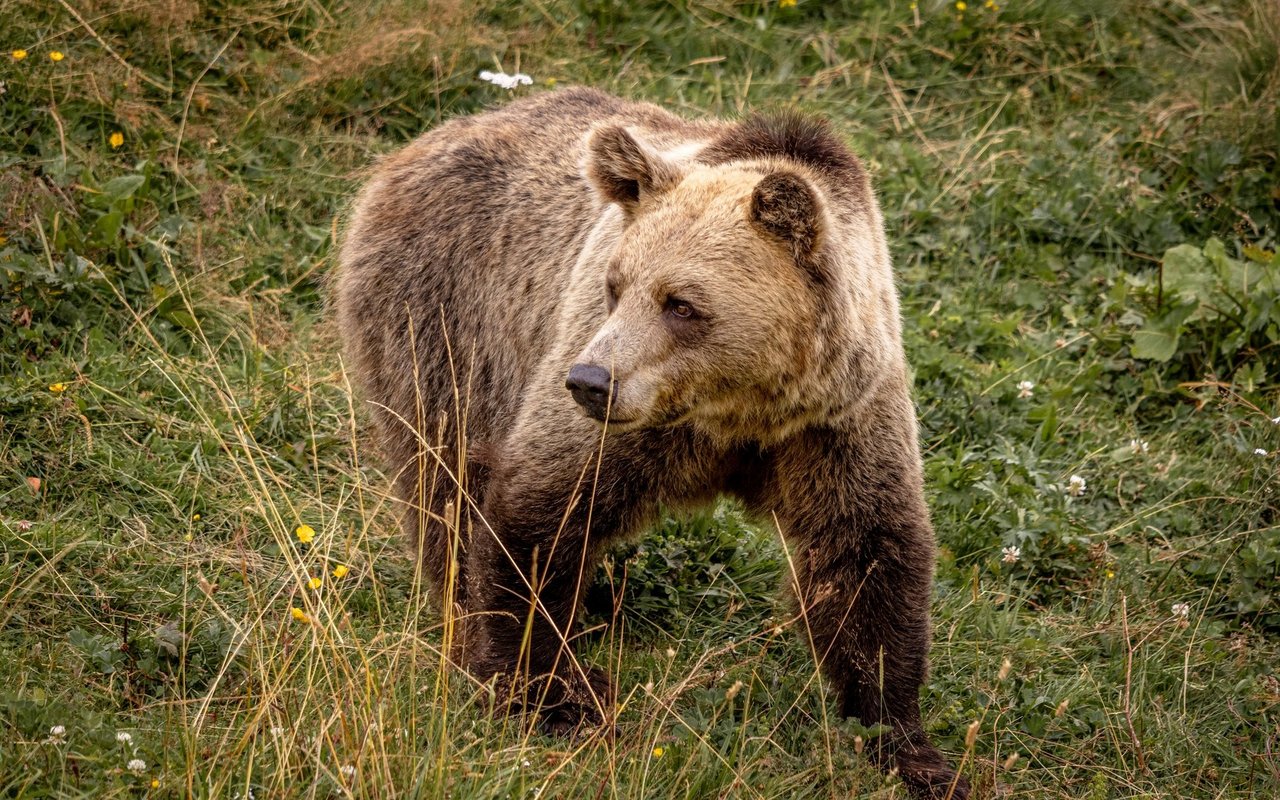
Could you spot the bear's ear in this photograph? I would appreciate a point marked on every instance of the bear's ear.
(786, 206)
(624, 169)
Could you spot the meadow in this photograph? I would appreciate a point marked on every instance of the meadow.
(203, 588)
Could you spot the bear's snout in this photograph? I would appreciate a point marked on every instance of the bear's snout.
(591, 387)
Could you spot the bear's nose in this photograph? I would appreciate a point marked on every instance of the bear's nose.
(590, 386)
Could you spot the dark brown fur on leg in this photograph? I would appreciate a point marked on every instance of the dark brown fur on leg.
(526, 579)
(864, 566)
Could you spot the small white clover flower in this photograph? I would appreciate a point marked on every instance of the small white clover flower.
(1076, 486)
(1139, 446)
(124, 737)
(524, 762)
(1181, 610)
(508, 82)
(137, 766)
(1259, 451)
(1011, 554)
(1025, 388)
(348, 771)
(57, 734)
(1275, 420)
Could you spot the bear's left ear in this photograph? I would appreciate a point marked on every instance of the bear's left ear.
(625, 170)
(786, 206)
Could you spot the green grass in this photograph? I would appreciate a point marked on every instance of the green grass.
(172, 406)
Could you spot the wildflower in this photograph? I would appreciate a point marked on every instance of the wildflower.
(1025, 387)
(277, 731)
(305, 533)
(195, 517)
(991, 5)
(348, 771)
(1259, 451)
(1275, 420)
(116, 140)
(1011, 554)
(1076, 486)
(299, 614)
(57, 388)
(137, 766)
(315, 583)
(1139, 446)
(57, 734)
(340, 571)
(961, 6)
(24, 525)
(658, 751)
(187, 538)
(124, 737)
(19, 54)
(56, 56)
(524, 762)
(786, 3)
(155, 783)
(1111, 574)
(506, 81)
(1181, 610)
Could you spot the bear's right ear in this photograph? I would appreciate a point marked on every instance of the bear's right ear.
(625, 170)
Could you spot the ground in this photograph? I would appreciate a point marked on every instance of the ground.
(1082, 200)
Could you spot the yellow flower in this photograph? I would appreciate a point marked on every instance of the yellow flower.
(658, 751)
(187, 538)
(57, 388)
(991, 4)
(340, 571)
(299, 614)
(56, 55)
(155, 783)
(961, 6)
(195, 517)
(116, 140)
(315, 583)
(1110, 574)
(305, 533)
(786, 3)
(18, 55)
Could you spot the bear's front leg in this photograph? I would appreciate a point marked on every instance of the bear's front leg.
(546, 515)
(863, 556)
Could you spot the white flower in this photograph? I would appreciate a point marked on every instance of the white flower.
(1275, 420)
(57, 734)
(524, 762)
(1181, 610)
(1011, 554)
(1259, 452)
(1075, 486)
(277, 731)
(348, 771)
(1025, 387)
(137, 766)
(1139, 446)
(124, 737)
(506, 81)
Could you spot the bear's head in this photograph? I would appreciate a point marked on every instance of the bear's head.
(727, 291)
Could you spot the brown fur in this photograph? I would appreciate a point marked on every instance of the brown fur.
(729, 287)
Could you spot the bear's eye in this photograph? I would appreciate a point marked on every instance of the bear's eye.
(680, 308)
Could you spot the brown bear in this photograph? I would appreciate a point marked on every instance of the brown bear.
(576, 310)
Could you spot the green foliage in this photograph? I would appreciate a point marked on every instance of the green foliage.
(1227, 309)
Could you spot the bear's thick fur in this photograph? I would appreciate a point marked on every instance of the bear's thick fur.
(570, 312)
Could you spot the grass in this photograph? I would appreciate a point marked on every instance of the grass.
(172, 407)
